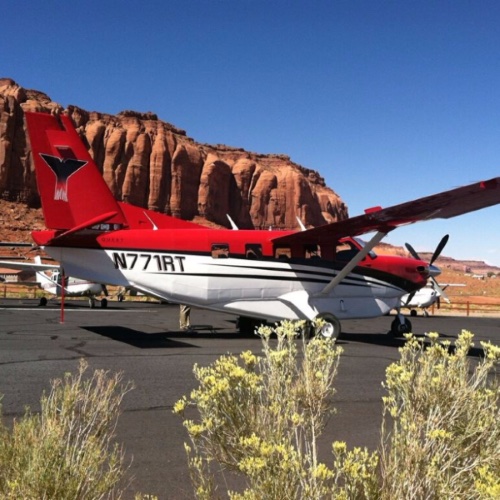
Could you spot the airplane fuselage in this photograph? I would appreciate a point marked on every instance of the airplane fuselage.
(74, 287)
(423, 298)
(239, 272)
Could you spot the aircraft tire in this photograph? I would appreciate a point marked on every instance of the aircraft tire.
(248, 325)
(104, 303)
(331, 329)
(398, 329)
(413, 312)
(43, 302)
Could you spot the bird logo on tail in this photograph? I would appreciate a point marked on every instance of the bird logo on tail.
(63, 169)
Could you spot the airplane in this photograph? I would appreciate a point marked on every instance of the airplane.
(323, 272)
(426, 297)
(422, 299)
(52, 284)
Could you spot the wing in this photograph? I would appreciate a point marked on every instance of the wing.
(9, 264)
(443, 205)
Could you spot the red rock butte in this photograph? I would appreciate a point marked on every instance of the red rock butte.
(151, 163)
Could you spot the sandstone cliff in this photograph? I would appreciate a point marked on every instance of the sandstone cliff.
(153, 164)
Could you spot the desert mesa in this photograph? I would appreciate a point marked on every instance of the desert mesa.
(153, 164)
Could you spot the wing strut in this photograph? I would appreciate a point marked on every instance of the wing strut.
(376, 239)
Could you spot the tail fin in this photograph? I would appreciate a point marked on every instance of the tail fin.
(42, 277)
(73, 193)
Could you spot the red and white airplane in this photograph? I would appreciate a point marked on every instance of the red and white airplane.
(322, 272)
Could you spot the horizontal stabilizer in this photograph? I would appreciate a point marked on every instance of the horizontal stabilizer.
(87, 224)
(29, 266)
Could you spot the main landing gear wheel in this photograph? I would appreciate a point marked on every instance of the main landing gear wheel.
(247, 326)
(400, 326)
(104, 303)
(331, 328)
(43, 302)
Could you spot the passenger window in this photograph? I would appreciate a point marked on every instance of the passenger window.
(312, 252)
(283, 253)
(220, 251)
(253, 251)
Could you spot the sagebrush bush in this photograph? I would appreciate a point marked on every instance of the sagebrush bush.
(444, 435)
(261, 417)
(67, 450)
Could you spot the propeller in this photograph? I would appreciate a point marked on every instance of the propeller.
(436, 253)
(439, 248)
(433, 270)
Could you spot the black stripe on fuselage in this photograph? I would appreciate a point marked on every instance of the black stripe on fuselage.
(313, 272)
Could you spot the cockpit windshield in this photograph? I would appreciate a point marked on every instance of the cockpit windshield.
(349, 247)
(362, 243)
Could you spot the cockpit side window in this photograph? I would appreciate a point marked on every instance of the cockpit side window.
(345, 251)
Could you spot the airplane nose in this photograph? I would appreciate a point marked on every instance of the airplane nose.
(434, 271)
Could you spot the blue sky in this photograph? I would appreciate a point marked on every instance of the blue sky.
(388, 100)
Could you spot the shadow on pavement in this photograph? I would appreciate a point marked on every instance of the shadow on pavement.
(137, 338)
(388, 340)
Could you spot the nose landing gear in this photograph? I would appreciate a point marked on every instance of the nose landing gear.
(400, 325)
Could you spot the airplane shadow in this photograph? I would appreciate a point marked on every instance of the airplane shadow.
(137, 338)
(174, 339)
(167, 339)
(385, 339)
(382, 339)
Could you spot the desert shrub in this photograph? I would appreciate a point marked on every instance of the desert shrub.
(67, 449)
(261, 417)
(443, 413)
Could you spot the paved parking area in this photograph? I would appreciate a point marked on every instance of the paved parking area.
(143, 341)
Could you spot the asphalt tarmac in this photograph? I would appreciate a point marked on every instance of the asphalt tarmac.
(143, 341)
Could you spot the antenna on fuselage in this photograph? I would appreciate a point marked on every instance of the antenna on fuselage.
(233, 224)
(301, 224)
(155, 227)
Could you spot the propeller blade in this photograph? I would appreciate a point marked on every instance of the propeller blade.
(408, 300)
(439, 290)
(440, 247)
(412, 251)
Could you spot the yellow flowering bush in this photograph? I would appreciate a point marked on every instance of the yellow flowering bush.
(67, 450)
(441, 432)
(261, 417)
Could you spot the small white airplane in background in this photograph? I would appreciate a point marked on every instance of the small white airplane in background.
(423, 299)
(74, 287)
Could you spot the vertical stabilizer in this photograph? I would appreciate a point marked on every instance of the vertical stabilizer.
(72, 190)
(42, 277)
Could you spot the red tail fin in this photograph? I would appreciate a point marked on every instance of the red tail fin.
(72, 190)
